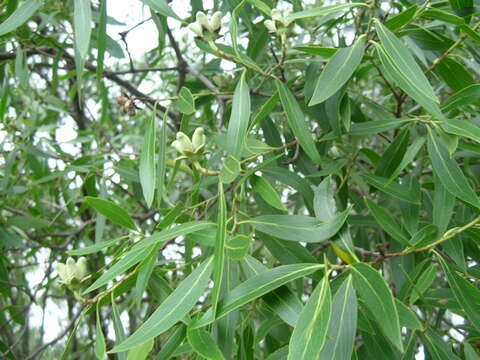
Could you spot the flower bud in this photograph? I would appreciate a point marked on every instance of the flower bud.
(71, 269)
(183, 143)
(270, 25)
(62, 271)
(202, 20)
(216, 21)
(198, 138)
(81, 268)
(196, 28)
(277, 15)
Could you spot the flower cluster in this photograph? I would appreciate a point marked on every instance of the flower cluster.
(205, 28)
(279, 23)
(187, 147)
(72, 273)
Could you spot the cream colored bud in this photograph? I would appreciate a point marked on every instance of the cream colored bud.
(198, 138)
(202, 19)
(270, 25)
(71, 267)
(277, 15)
(183, 143)
(216, 21)
(62, 271)
(81, 268)
(196, 28)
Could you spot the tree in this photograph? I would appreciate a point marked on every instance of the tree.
(292, 180)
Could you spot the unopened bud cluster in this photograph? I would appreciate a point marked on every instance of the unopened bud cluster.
(189, 148)
(279, 23)
(207, 29)
(72, 273)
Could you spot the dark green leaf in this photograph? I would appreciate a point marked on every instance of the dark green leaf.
(111, 211)
(239, 118)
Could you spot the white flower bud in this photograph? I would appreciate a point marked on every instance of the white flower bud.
(196, 28)
(198, 138)
(62, 271)
(270, 25)
(81, 268)
(216, 21)
(277, 15)
(183, 143)
(71, 268)
(202, 19)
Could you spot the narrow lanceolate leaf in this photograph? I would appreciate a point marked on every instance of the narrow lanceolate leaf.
(310, 331)
(321, 11)
(462, 128)
(101, 41)
(162, 157)
(392, 188)
(466, 293)
(338, 70)
(82, 24)
(449, 172)
(238, 124)
(375, 127)
(100, 346)
(324, 200)
(117, 326)
(401, 67)
(387, 222)
(203, 343)
(147, 161)
(95, 247)
(219, 252)
(378, 298)
(141, 351)
(297, 122)
(408, 157)
(298, 227)
(231, 169)
(173, 309)
(119, 268)
(463, 97)
(20, 16)
(161, 7)
(268, 193)
(343, 324)
(257, 286)
(111, 211)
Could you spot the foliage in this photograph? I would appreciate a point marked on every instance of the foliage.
(291, 180)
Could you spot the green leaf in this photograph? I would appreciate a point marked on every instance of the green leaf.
(321, 11)
(463, 97)
(298, 227)
(401, 67)
(203, 343)
(378, 298)
(141, 351)
(470, 353)
(326, 52)
(96, 247)
(343, 324)
(393, 154)
(172, 309)
(239, 118)
(112, 211)
(462, 128)
(257, 286)
(237, 247)
(147, 171)
(162, 157)
(219, 251)
(438, 14)
(145, 270)
(407, 317)
(161, 7)
(100, 346)
(82, 24)
(310, 331)
(185, 102)
(466, 293)
(117, 326)
(297, 122)
(130, 259)
(324, 200)
(375, 127)
(172, 344)
(387, 222)
(231, 169)
(401, 19)
(423, 283)
(449, 172)
(20, 16)
(437, 348)
(408, 157)
(338, 70)
(443, 205)
(267, 192)
(393, 189)
(265, 110)
(281, 301)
